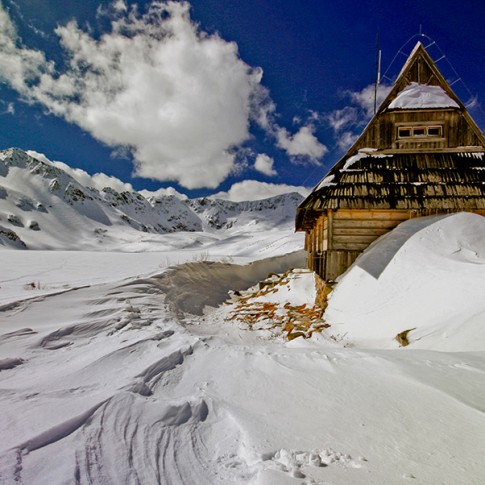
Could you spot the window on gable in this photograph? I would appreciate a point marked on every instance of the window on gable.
(420, 131)
(435, 131)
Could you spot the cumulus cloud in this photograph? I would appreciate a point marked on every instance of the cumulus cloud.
(364, 99)
(342, 118)
(347, 123)
(301, 144)
(98, 181)
(179, 100)
(264, 164)
(254, 190)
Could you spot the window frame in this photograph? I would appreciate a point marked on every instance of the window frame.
(421, 128)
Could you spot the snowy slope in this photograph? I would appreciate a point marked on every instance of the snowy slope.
(125, 371)
(426, 276)
(43, 207)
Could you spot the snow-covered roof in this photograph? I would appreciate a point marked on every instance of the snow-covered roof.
(417, 96)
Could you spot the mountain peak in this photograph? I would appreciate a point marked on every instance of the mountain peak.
(44, 207)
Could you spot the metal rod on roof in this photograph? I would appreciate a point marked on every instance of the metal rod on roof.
(378, 69)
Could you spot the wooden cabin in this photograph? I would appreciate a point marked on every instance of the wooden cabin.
(421, 154)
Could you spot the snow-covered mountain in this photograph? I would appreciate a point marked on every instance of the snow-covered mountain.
(43, 207)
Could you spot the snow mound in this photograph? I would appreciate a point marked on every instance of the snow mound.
(425, 280)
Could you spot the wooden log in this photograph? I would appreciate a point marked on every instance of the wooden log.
(338, 262)
(371, 214)
(361, 230)
(354, 239)
(366, 224)
(330, 229)
(351, 246)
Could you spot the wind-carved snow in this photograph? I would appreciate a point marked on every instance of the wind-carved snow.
(419, 96)
(118, 368)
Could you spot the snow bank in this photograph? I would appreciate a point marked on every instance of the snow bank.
(426, 276)
(192, 286)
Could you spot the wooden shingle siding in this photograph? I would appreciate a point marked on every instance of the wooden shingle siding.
(403, 181)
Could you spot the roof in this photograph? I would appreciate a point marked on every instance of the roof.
(450, 181)
(435, 176)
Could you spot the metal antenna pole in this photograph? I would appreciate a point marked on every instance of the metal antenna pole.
(378, 69)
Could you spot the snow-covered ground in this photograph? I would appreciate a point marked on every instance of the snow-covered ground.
(120, 368)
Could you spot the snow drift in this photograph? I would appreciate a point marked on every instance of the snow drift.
(426, 276)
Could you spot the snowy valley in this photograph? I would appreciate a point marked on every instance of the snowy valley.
(121, 361)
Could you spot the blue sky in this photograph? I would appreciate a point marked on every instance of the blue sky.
(214, 95)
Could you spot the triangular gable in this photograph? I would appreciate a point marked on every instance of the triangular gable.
(421, 69)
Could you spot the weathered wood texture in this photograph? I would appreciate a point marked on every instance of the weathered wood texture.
(382, 133)
(425, 183)
(352, 232)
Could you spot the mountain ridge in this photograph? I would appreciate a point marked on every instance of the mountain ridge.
(40, 202)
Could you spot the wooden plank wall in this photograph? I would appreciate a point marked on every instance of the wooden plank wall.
(355, 230)
(339, 237)
(382, 133)
(351, 232)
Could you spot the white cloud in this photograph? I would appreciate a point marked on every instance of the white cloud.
(254, 190)
(120, 5)
(365, 98)
(178, 100)
(9, 108)
(346, 121)
(346, 140)
(18, 66)
(264, 164)
(98, 181)
(162, 192)
(342, 118)
(302, 144)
